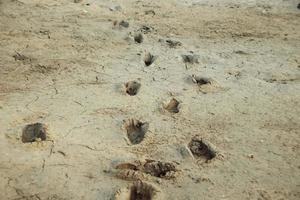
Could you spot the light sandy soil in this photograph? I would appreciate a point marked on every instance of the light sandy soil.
(64, 64)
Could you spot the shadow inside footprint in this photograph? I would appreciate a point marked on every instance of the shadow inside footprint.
(132, 87)
(149, 59)
(207, 85)
(201, 149)
(141, 191)
(136, 130)
(172, 106)
(138, 37)
(201, 80)
(32, 132)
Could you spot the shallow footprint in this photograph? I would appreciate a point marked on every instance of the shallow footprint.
(33, 132)
(132, 87)
(190, 58)
(172, 106)
(136, 130)
(206, 85)
(201, 149)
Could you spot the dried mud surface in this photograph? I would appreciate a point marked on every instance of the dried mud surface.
(66, 65)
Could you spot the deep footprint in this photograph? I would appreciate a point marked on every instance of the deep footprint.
(138, 191)
(33, 132)
(172, 106)
(136, 130)
(201, 149)
(149, 59)
(132, 87)
(138, 37)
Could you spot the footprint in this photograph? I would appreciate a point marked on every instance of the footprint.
(138, 37)
(121, 24)
(173, 43)
(33, 132)
(136, 130)
(201, 80)
(190, 58)
(206, 85)
(146, 29)
(172, 106)
(132, 87)
(201, 149)
(124, 24)
(149, 59)
(159, 169)
(154, 168)
(139, 190)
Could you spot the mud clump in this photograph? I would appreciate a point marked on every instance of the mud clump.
(136, 130)
(201, 149)
(132, 87)
(172, 106)
(33, 132)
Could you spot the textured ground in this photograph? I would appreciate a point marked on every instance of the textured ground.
(64, 63)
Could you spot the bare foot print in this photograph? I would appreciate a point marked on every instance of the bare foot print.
(138, 191)
(201, 149)
(136, 130)
(149, 59)
(132, 87)
(206, 85)
(172, 106)
(33, 132)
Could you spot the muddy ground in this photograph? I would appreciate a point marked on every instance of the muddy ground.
(65, 64)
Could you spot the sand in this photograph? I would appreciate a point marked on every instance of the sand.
(66, 64)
